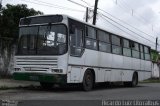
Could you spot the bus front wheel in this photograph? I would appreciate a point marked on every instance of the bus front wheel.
(88, 81)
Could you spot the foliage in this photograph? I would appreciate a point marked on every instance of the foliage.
(155, 55)
(9, 19)
(9, 22)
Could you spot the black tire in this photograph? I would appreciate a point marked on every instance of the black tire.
(134, 80)
(132, 83)
(88, 81)
(46, 85)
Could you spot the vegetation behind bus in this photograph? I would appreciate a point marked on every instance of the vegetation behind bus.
(154, 55)
(9, 22)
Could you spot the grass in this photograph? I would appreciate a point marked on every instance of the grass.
(151, 80)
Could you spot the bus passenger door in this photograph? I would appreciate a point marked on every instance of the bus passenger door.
(76, 57)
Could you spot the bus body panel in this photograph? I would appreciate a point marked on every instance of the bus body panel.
(142, 65)
(127, 62)
(127, 75)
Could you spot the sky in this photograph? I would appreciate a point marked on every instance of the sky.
(135, 19)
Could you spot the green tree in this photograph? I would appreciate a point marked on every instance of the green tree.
(9, 22)
(155, 55)
(9, 19)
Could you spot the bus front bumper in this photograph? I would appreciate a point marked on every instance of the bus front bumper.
(41, 77)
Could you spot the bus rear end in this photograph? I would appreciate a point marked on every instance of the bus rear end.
(42, 50)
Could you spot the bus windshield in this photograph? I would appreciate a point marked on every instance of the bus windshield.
(42, 40)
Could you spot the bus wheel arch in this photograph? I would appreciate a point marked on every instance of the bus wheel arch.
(88, 79)
(134, 80)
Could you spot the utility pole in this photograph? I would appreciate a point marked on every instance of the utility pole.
(158, 60)
(95, 12)
(156, 43)
(87, 14)
(116, 2)
(0, 4)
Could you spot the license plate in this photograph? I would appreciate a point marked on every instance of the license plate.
(35, 78)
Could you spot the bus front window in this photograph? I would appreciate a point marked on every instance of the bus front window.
(42, 40)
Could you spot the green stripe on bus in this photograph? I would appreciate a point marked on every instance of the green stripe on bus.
(40, 77)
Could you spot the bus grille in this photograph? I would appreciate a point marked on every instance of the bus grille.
(36, 63)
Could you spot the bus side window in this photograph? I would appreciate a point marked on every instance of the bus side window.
(76, 42)
(104, 41)
(142, 51)
(91, 39)
(116, 45)
(147, 53)
(126, 48)
(135, 50)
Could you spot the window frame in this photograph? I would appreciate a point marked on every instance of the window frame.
(91, 38)
(135, 50)
(149, 53)
(77, 26)
(104, 42)
(120, 46)
(128, 48)
(142, 52)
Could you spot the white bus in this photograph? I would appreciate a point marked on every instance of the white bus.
(58, 49)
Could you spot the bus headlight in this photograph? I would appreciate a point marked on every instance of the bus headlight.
(57, 70)
(17, 69)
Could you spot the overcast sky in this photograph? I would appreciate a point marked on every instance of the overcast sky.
(142, 17)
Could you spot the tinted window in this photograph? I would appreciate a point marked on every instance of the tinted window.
(104, 47)
(141, 48)
(147, 53)
(147, 56)
(103, 36)
(91, 32)
(142, 51)
(41, 19)
(27, 42)
(146, 49)
(116, 49)
(52, 39)
(135, 46)
(42, 40)
(116, 40)
(127, 52)
(126, 48)
(135, 50)
(91, 44)
(126, 43)
(135, 54)
(76, 42)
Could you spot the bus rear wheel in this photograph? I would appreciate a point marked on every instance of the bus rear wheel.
(88, 81)
(134, 80)
(132, 83)
(46, 85)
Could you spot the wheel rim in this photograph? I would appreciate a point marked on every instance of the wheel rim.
(88, 81)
